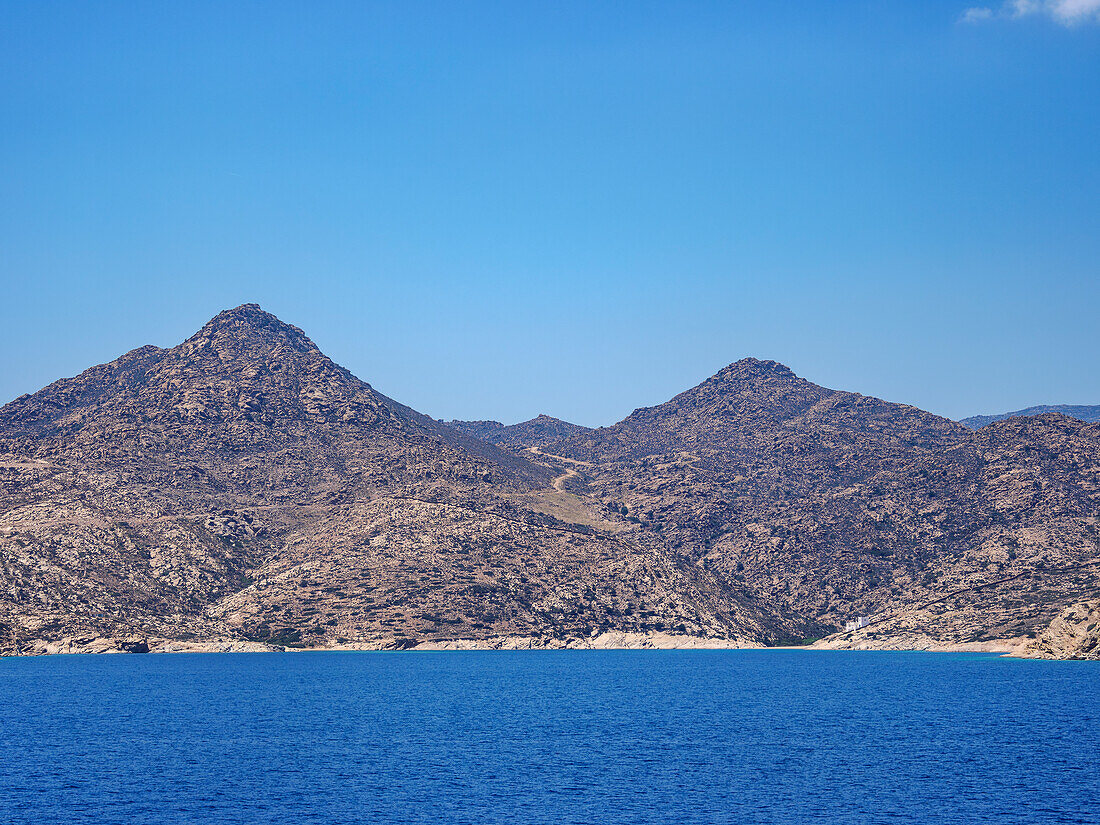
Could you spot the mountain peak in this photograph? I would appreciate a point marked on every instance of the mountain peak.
(245, 315)
(740, 406)
(1078, 411)
(245, 329)
(750, 368)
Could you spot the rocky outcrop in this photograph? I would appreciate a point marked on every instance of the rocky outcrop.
(1074, 634)
(538, 432)
(1081, 413)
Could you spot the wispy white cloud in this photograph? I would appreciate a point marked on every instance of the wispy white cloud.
(976, 15)
(1065, 12)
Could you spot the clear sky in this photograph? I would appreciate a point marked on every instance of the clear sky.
(494, 210)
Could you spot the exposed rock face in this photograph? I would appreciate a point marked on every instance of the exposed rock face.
(826, 505)
(485, 430)
(1074, 634)
(243, 486)
(252, 389)
(538, 432)
(242, 491)
(1081, 413)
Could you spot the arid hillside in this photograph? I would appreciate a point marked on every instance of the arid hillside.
(1078, 411)
(538, 432)
(241, 489)
(241, 485)
(827, 505)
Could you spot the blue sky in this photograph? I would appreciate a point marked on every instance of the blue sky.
(495, 210)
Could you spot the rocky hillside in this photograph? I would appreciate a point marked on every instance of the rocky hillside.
(1081, 413)
(241, 489)
(827, 505)
(243, 486)
(538, 432)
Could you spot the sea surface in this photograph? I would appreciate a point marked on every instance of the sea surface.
(598, 737)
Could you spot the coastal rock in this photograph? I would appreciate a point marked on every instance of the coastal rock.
(1074, 634)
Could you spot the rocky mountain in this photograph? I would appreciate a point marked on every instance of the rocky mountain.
(485, 430)
(241, 486)
(1080, 412)
(241, 489)
(827, 505)
(538, 432)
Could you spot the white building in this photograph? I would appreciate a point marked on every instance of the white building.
(857, 623)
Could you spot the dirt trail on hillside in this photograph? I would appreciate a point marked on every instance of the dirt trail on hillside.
(559, 482)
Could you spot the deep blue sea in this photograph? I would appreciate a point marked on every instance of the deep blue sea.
(598, 737)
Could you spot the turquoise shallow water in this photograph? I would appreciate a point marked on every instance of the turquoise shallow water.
(549, 737)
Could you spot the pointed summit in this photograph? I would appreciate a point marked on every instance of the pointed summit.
(736, 406)
(244, 317)
(247, 317)
(754, 368)
(244, 331)
(245, 384)
(244, 311)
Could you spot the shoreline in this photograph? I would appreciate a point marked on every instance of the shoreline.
(611, 640)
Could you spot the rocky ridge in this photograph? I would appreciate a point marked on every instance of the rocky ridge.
(827, 505)
(242, 491)
(1081, 413)
(241, 486)
(537, 432)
